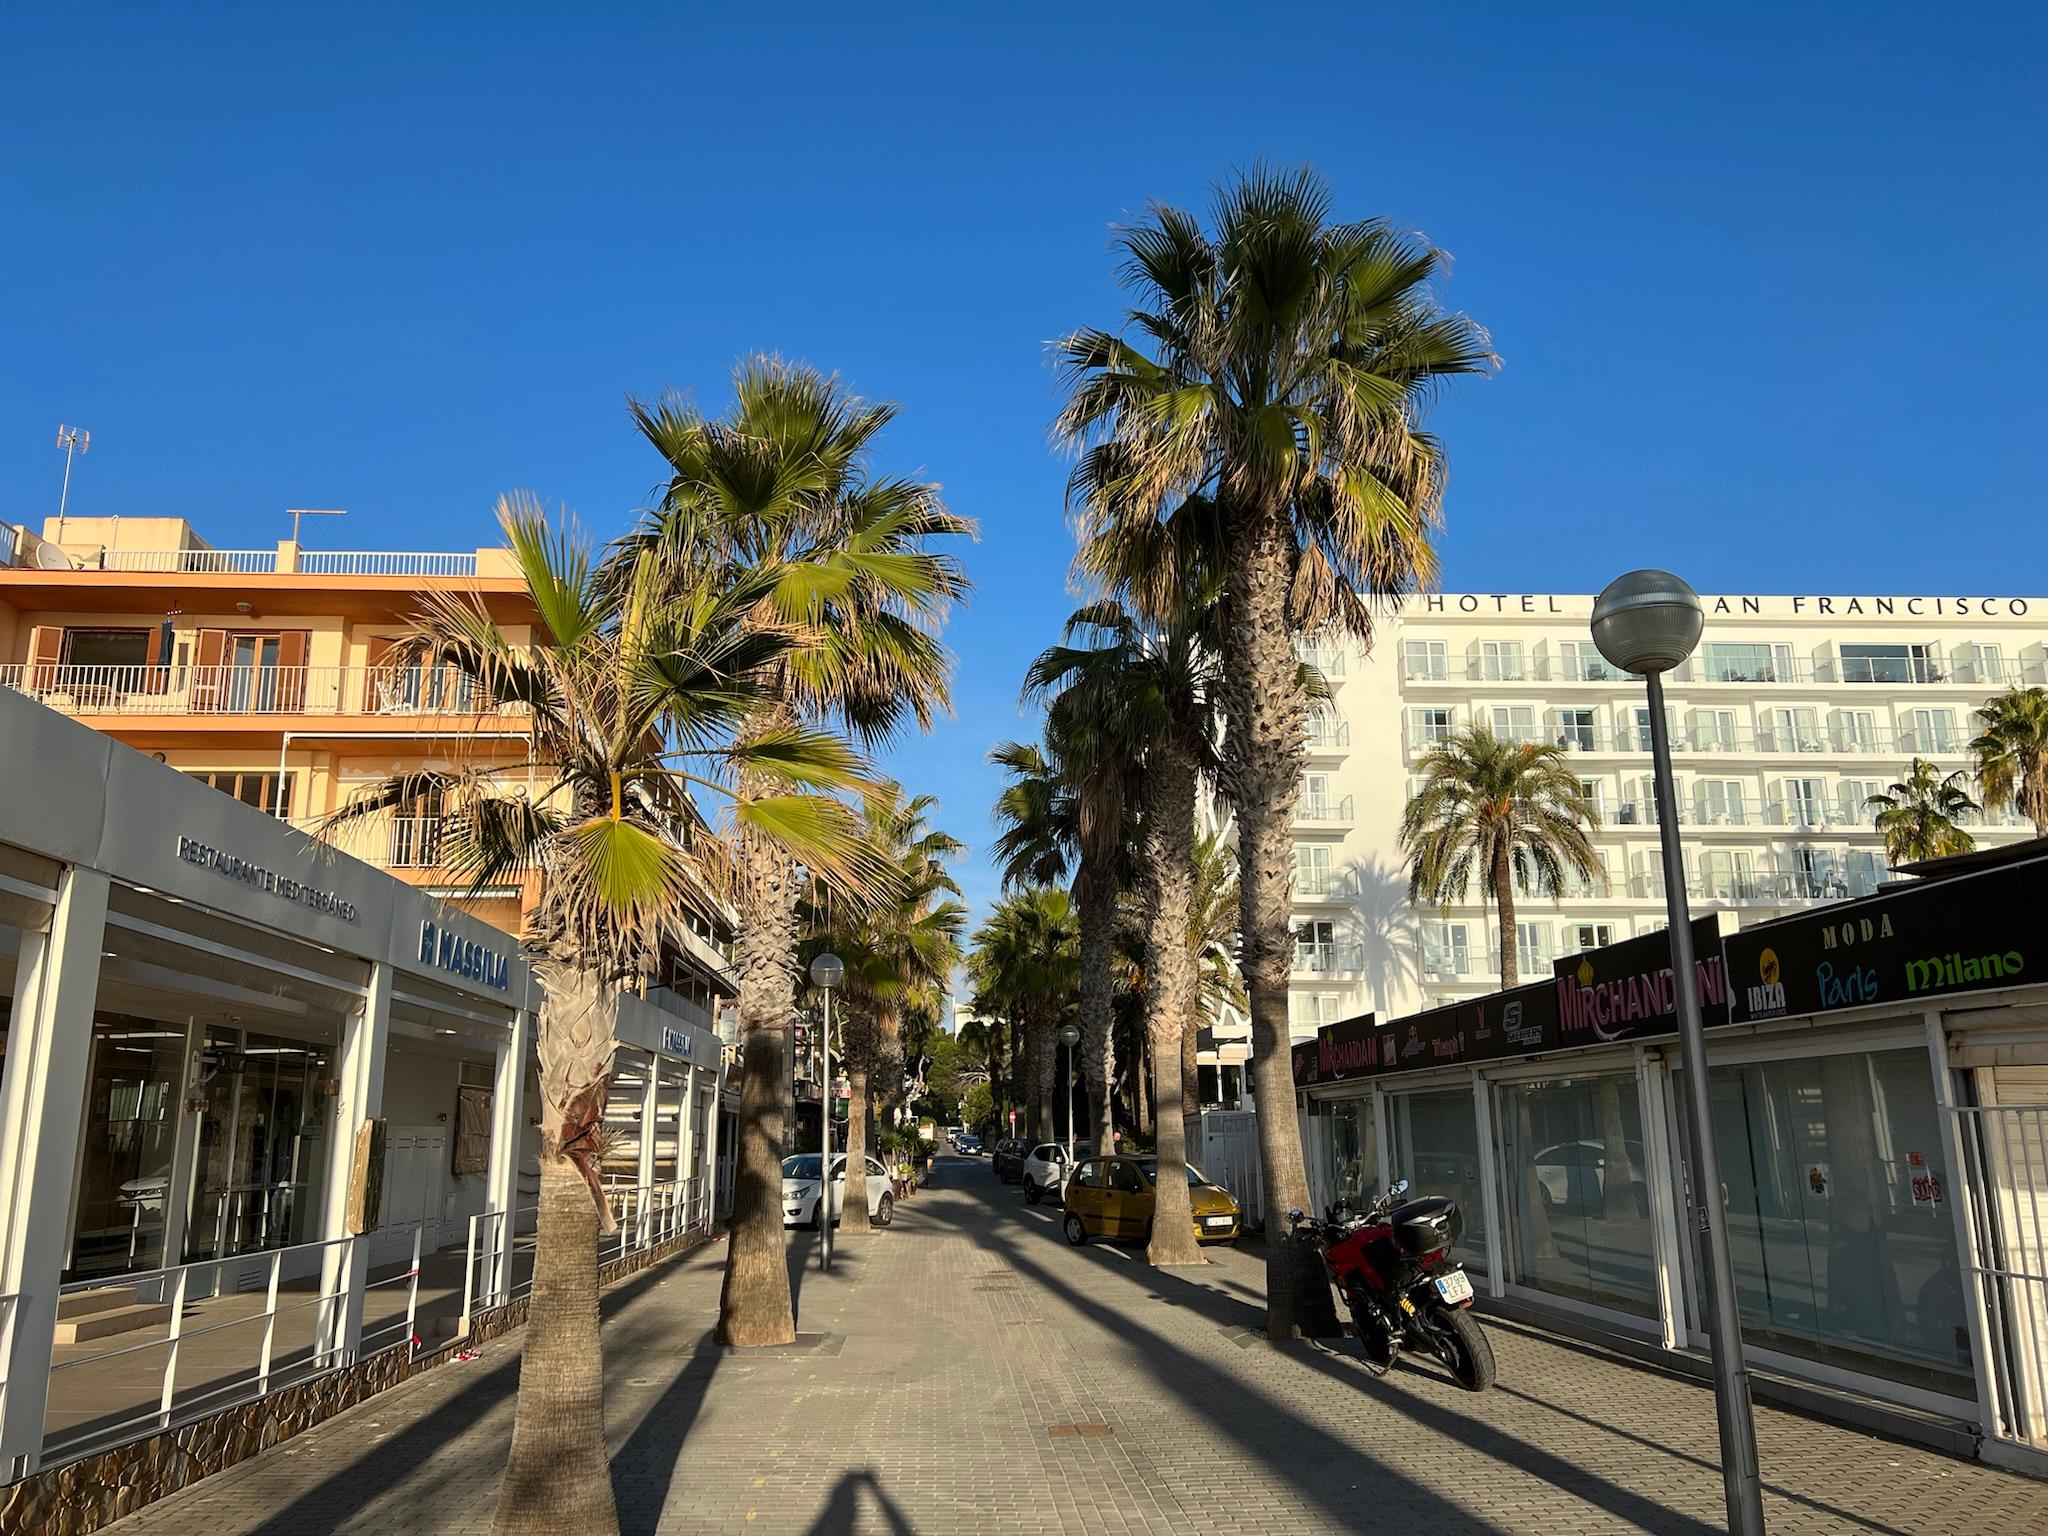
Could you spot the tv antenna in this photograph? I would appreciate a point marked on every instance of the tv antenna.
(299, 512)
(74, 441)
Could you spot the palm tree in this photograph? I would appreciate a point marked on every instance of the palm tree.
(2012, 754)
(634, 690)
(1515, 813)
(1279, 375)
(898, 955)
(1026, 967)
(1212, 950)
(784, 480)
(1917, 819)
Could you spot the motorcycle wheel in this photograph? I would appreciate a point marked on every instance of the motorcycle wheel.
(1459, 1341)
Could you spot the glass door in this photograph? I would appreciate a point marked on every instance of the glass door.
(261, 1144)
(252, 674)
(124, 1170)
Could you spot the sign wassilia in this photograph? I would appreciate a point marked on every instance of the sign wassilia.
(1968, 933)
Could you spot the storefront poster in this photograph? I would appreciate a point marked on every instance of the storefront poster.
(1626, 991)
(1347, 1049)
(1515, 1023)
(1966, 934)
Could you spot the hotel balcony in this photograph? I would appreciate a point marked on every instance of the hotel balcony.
(1326, 959)
(1328, 739)
(1325, 815)
(217, 695)
(1317, 886)
(1854, 671)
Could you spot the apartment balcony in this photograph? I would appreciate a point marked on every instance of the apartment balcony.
(1448, 965)
(286, 561)
(216, 695)
(1326, 959)
(1329, 738)
(1328, 660)
(1769, 887)
(1325, 815)
(1313, 886)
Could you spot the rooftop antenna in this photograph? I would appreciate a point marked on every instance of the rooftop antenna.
(299, 512)
(73, 440)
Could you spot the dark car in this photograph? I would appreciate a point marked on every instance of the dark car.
(1008, 1160)
(967, 1144)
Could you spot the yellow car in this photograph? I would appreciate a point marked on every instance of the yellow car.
(1112, 1197)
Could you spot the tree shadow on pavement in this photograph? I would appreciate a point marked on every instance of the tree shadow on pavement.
(644, 1469)
(841, 1515)
(1303, 1450)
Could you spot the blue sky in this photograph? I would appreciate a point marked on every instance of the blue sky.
(1766, 283)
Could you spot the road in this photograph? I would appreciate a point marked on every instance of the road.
(967, 1371)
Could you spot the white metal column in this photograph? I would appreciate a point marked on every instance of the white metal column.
(686, 1137)
(508, 1142)
(1489, 1185)
(650, 1118)
(717, 1075)
(1962, 1207)
(184, 1145)
(365, 1033)
(1667, 1223)
(42, 1108)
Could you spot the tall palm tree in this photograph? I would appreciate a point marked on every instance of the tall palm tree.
(1025, 967)
(898, 956)
(1279, 372)
(1918, 816)
(2012, 754)
(784, 479)
(1513, 812)
(1212, 951)
(635, 690)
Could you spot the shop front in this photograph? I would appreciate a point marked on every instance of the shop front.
(1879, 1071)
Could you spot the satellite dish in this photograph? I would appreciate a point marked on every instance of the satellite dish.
(50, 558)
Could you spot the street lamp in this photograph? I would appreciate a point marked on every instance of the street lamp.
(1648, 622)
(827, 971)
(1070, 1037)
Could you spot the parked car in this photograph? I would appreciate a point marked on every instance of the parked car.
(800, 1192)
(967, 1144)
(1572, 1177)
(1008, 1160)
(1045, 1171)
(1114, 1196)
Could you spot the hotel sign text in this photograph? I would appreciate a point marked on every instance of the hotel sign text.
(230, 866)
(464, 957)
(1802, 606)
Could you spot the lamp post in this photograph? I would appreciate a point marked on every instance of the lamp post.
(1648, 622)
(827, 971)
(1070, 1037)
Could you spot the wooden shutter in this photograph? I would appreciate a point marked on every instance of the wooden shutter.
(377, 676)
(209, 669)
(292, 647)
(155, 677)
(45, 654)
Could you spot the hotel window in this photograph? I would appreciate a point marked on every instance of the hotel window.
(1718, 802)
(1514, 722)
(1500, 661)
(1584, 936)
(1854, 796)
(1931, 730)
(1803, 802)
(1446, 951)
(268, 792)
(1791, 730)
(1712, 730)
(1891, 664)
(1574, 729)
(1595, 791)
(1980, 664)
(1640, 734)
(1312, 874)
(1853, 730)
(1425, 660)
(1532, 947)
(1580, 661)
(1312, 1010)
(1722, 663)
(1727, 874)
(1426, 727)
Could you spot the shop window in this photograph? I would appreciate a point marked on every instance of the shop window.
(1577, 1202)
(125, 1158)
(1839, 1220)
(1436, 1149)
(261, 1144)
(1344, 1155)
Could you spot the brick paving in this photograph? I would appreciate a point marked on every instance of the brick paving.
(968, 1372)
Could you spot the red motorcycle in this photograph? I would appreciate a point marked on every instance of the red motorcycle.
(1392, 1265)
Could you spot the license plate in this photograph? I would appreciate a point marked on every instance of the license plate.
(1215, 1221)
(1454, 1287)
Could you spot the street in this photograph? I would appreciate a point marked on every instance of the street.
(968, 1371)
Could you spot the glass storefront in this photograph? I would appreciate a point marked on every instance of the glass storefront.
(124, 1168)
(1344, 1153)
(1435, 1146)
(1578, 1209)
(262, 1144)
(1838, 1217)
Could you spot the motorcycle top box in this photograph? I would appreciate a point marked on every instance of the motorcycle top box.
(1426, 1226)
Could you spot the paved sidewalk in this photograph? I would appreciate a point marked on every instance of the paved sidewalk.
(975, 1374)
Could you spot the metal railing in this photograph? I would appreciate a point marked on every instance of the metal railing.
(1320, 959)
(308, 562)
(1318, 883)
(2005, 1155)
(356, 562)
(1330, 736)
(188, 1292)
(1326, 660)
(192, 562)
(647, 1214)
(1761, 885)
(1338, 810)
(249, 690)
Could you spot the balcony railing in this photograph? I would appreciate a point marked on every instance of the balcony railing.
(1773, 886)
(237, 690)
(357, 562)
(1322, 959)
(1318, 884)
(1324, 812)
(192, 562)
(1330, 736)
(1325, 659)
(265, 562)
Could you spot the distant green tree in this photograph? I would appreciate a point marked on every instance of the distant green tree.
(976, 1105)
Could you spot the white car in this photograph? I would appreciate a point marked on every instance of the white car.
(1045, 1171)
(800, 1191)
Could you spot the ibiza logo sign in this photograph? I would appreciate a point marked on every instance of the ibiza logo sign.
(1767, 998)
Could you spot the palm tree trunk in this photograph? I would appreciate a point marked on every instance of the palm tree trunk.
(1504, 902)
(754, 1307)
(559, 1478)
(1141, 1089)
(1098, 1009)
(1190, 1080)
(1170, 988)
(1265, 745)
(854, 1219)
(888, 1064)
(1045, 1055)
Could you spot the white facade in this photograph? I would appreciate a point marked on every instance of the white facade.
(1792, 712)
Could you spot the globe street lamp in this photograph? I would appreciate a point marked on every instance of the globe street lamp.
(1648, 622)
(827, 971)
(1070, 1037)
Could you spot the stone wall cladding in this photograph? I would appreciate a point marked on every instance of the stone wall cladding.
(84, 1495)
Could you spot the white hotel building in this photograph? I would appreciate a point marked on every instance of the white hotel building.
(1791, 713)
